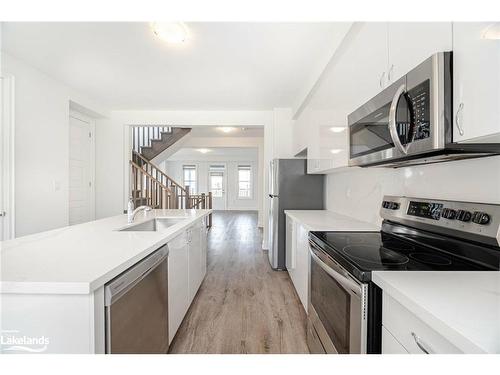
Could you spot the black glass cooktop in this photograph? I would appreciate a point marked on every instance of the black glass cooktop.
(363, 252)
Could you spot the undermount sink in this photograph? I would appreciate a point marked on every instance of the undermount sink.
(153, 225)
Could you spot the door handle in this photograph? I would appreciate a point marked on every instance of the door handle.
(3, 213)
(458, 118)
(389, 75)
(392, 120)
(381, 80)
(421, 345)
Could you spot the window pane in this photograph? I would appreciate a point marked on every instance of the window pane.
(189, 172)
(244, 181)
(216, 184)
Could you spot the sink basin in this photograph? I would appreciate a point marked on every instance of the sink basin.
(153, 225)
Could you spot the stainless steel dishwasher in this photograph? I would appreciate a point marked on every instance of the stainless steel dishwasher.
(136, 307)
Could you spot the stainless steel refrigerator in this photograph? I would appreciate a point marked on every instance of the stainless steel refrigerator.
(290, 188)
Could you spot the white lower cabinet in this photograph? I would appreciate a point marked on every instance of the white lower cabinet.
(403, 330)
(178, 283)
(390, 345)
(187, 266)
(196, 258)
(297, 245)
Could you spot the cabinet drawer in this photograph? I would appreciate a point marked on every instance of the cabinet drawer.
(390, 345)
(415, 335)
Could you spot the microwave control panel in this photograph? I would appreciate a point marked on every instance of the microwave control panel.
(419, 97)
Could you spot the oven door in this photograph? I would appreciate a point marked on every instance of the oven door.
(337, 308)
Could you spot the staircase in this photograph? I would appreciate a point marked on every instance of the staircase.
(151, 186)
(151, 141)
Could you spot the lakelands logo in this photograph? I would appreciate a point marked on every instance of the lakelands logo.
(13, 341)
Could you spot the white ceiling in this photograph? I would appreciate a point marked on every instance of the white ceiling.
(226, 66)
(216, 153)
(215, 131)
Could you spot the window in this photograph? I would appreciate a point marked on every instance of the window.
(217, 180)
(189, 172)
(244, 181)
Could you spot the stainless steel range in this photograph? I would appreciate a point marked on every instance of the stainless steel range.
(344, 308)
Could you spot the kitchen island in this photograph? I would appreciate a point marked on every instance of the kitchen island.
(52, 283)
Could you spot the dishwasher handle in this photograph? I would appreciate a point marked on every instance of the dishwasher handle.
(121, 284)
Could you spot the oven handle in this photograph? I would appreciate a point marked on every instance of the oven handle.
(336, 274)
(392, 120)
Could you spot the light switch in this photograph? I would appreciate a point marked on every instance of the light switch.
(57, 185)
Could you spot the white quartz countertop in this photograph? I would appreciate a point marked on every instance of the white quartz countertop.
(323, 220)
(81, 258)
(464, 307)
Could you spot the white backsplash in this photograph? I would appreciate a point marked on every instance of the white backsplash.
(358, 192)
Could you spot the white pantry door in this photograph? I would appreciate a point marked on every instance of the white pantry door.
(7, 214)
(81, 180)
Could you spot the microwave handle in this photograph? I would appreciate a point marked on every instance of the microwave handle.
(392, 120)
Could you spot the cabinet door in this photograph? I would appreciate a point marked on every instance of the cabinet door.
(195, 260)
(302, 264)
(390, 345)
(290, 244)
(204, 248)
(410, 43)
(178, 292)
(476, 81)
(363, 65)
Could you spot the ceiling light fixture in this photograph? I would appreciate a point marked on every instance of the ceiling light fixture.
(492, 32)
(170, 32)
(203, 150)
(337, 129)
(226, 129)
(335, 151)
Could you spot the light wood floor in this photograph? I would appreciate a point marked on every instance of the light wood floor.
(243, 306)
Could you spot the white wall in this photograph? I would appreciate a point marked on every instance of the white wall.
(358, 192)
(41, 146)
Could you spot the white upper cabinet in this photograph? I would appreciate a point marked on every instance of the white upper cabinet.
(410, 43)
(356, 75)
(476, 81)
(362, 69)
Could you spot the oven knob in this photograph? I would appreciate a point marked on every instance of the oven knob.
(394, 206)
(444, 212)
(463, 215)
(481, 218)
(451, 214)
(485, 219)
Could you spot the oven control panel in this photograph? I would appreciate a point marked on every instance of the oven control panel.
(461, 219)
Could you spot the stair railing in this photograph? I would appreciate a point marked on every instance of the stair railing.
(147, 190)
(143, 135)
(153, 187)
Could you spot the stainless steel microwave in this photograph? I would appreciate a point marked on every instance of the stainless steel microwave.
(411, 121)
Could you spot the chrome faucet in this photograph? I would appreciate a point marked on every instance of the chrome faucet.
(131, 213)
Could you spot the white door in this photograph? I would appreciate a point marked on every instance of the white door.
(476, 80)
(7, 221)
(217, 185)
(81, 184)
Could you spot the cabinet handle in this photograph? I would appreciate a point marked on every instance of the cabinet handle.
(389, 75)
(421, 345)
(381, 80)
(458, 119)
